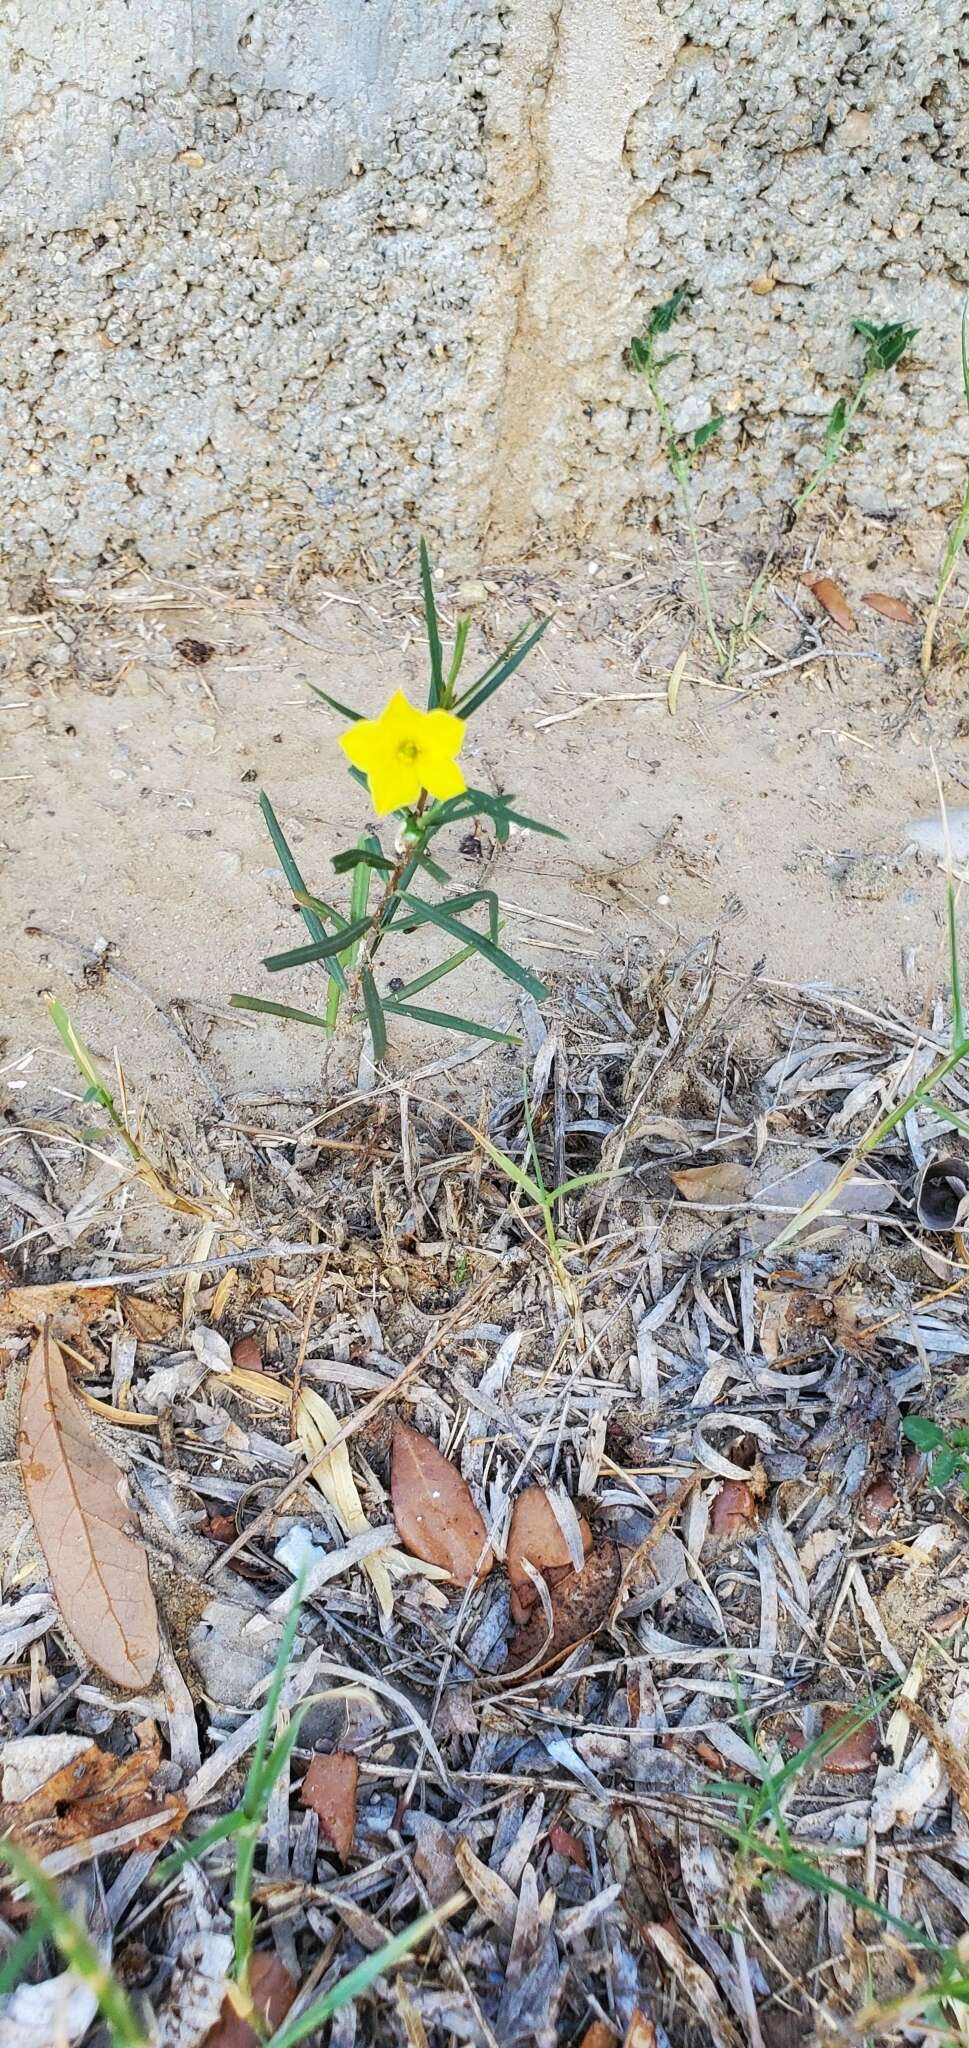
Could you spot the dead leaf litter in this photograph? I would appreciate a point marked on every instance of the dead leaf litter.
(595, 1543)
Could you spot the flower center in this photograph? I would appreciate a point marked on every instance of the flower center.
(407, 751)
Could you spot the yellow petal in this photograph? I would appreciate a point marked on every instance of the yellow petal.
(442, 733)
(362, 742)
(393, 784)
(442, 778)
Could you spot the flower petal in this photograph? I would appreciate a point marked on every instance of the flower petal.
(362, 742)
(393, 784)
(442, 733)
(442, 778)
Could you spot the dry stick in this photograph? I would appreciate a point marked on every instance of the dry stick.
(349, 1429)
(304, 1340)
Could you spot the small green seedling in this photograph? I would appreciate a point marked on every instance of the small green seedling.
(950, 1447)
(681, 449)
(244, 1828)
(958, 532)
(407, 758)
(884, 348)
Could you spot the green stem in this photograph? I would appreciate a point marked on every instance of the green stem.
(834, 454)
(681, 471)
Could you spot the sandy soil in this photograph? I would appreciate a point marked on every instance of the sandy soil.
(131, 776)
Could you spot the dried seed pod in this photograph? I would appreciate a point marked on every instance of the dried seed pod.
(832, 600)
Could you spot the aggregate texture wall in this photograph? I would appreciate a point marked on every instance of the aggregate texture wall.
(290, 275)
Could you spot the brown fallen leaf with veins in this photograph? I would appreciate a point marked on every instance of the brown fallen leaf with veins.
(581, 1603)
(568, 1845)
(329, 1789)
(858, 1752)
(93, 1794)
(435, 1515)
(889, 607)
(97, 1562)
(717, 1182)
(536, 1534)
(734, 1511)
(832, 599)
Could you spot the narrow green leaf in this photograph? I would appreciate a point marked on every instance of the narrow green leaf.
(321, 906)
(75, 1945)
(193, 1851)
(324, 949)
(662, 316)
(461, 632)
(274, 1694)
(834, 430)
(335, 705)
(948, 1116)
(422, 981)
(296, 883)
(355, 1982)
(436, 691)
(375, 1014)
(359, 857)
(437, 914)
(487, 684)
(445, 1020)
(22, 1955)
(268, 1009)
(454, 904)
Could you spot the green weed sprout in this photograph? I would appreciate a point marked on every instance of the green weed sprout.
(681, 449)
(243, 1827)
(951, 1448)
(884, 348)
(959, 531)
(408, 760)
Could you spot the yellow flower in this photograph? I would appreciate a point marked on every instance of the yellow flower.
(404, 751)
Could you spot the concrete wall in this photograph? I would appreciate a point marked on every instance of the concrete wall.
(309, 274)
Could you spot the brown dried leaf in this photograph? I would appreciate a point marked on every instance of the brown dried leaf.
(536, 1534)
(796, 1320)
(641, 2032)
(247, 1354)
(581, 1602)
(330, 1788)
(98, 1566)
(734, 1511)
(72, 1312)
(858, 1752)
(149, 1321)
(833, 601)
(435, 1515)
(599, 2036)
(568, 1845)
(273, 1992)
(714, 1183)
(889, 607)
(91, 1795)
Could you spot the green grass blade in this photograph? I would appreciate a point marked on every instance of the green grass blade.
(375, 1014)
(359, 856)
(268, 1009)
(454, 904)
(295, 880)
(334, 703)
(355, 1982)
(306, 901)
(191, 1852)
(510, 659)
(274, 1695)
(438, 914)
(445, 1020)
(955, 976)
(22, 1955)
(324, 949)
(948, 1116)
(462, 630)
(76, 1947)
(436, 691)
(422, 981)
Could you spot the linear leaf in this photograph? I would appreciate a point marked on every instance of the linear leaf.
(436, 691)
(360, 857)
(375, 1014)
(445, 1020)
(324, 909)
(491, 681)
(335, 704)
(461, 632)
(453, 904)
(439, 914)
(294, 878)
(355, 1982)
(324, 949)
(422, 981)
(268, 1009)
